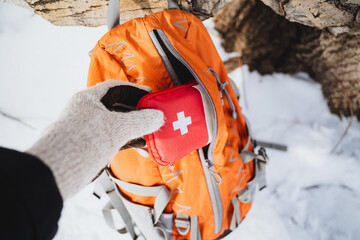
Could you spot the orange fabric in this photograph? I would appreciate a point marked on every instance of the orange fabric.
(127, 53)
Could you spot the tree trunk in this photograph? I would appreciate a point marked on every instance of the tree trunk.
(93, 13)
(338, 16)
(269, 43)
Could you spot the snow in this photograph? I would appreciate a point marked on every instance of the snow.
(41, 67)
(312, 193)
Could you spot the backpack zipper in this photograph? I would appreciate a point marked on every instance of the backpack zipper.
(222, 88)
(207, 164)
(213, 188)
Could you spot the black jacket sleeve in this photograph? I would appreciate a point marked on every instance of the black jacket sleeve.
(30, 202)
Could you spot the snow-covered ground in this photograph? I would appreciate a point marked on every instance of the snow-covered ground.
(311, 194)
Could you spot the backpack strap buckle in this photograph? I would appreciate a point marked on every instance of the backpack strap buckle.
(184, 223)
(262, 152)
(261, 160)
(261, 165)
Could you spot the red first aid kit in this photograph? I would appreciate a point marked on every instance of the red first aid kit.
(188, 122)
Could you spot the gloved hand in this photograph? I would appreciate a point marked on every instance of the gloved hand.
(87, 134)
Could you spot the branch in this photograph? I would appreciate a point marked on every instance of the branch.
(351, 114)
(17, 120)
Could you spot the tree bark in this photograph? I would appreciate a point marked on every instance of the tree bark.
(90, 13)
(130, 9)
(269, 43)
(337, 16)
(93, 13)
(203, 9)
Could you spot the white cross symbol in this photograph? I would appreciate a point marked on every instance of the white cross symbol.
(182, 123)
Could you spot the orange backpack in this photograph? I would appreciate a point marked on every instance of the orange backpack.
(206, 194)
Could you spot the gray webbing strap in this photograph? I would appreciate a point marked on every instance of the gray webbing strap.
(103, 184)
(137, 189)
(261, 178)
(247, 146)
(171, 4)
(162, 200)
(120, 207)
(195, 231)
(272, 145)
(248, 128)
(108, 216)
(161, 193)
(247, 156)
(184, 224)
(236, 219)
(113, 14)
(161, 228)
(235, 88)
(244, 195)
(116, 201)
(260, 165)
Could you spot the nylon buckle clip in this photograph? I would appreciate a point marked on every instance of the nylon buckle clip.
(262, 152)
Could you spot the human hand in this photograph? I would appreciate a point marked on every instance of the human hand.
(94, 125)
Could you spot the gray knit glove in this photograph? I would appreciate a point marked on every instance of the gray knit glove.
(87, 134)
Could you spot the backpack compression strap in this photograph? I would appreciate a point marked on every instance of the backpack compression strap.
(245, 195)
(105, 185)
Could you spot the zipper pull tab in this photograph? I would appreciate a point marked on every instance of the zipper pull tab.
(222, 85)
(207, 163)
(216, 176)
(222, 88)
(234, 114)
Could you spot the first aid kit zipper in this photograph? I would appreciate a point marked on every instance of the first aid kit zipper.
(207, 164)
